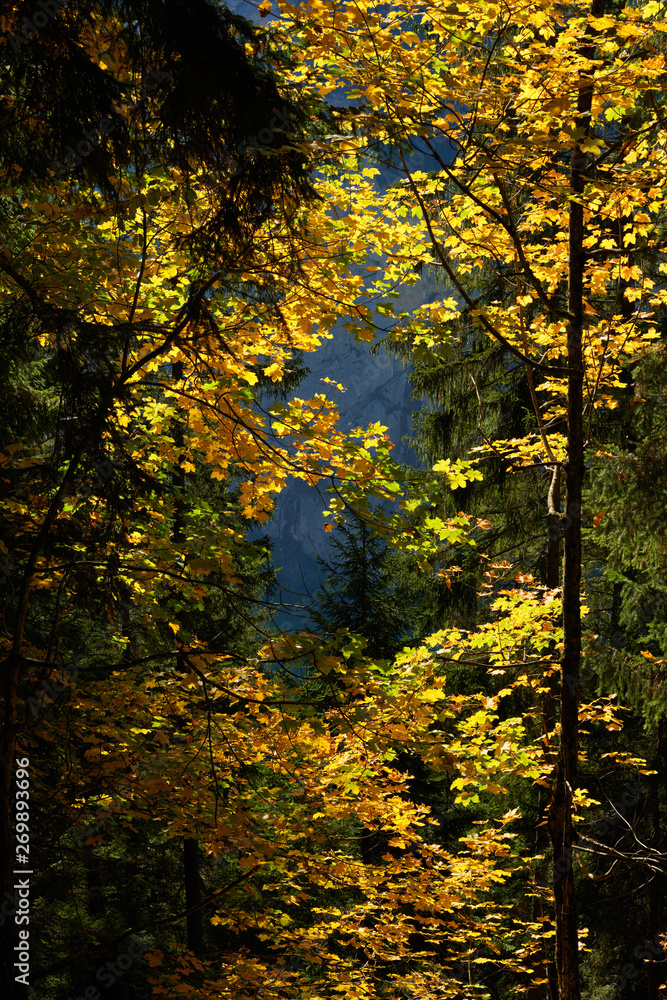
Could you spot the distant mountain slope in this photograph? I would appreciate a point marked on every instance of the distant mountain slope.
(377, 390)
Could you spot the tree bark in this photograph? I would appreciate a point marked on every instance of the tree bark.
(656, 889)
(191, 875)
(195, 922)
(560, 822)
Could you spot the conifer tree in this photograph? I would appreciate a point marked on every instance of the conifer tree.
(359, 594)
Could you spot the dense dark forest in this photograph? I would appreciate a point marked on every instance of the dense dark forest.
(450, 781)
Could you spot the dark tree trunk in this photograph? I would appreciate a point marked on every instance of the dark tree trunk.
(195, 922)
(191, 874)
(656, 891)
(560, 823)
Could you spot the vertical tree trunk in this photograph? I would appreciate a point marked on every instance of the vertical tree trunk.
(656, 890)
(565, 780)
(191, 875)
(195, 924)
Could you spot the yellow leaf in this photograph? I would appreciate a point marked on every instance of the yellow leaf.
(431, 694)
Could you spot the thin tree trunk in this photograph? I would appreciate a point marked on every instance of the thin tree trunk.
(191, 874)
(195, 923)
(656, 890)
(560, 824)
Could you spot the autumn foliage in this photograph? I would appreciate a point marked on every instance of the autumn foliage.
(164, 336)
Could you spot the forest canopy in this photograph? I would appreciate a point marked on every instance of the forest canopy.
(450, 781)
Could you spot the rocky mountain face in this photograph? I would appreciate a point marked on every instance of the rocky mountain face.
(377, 389)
